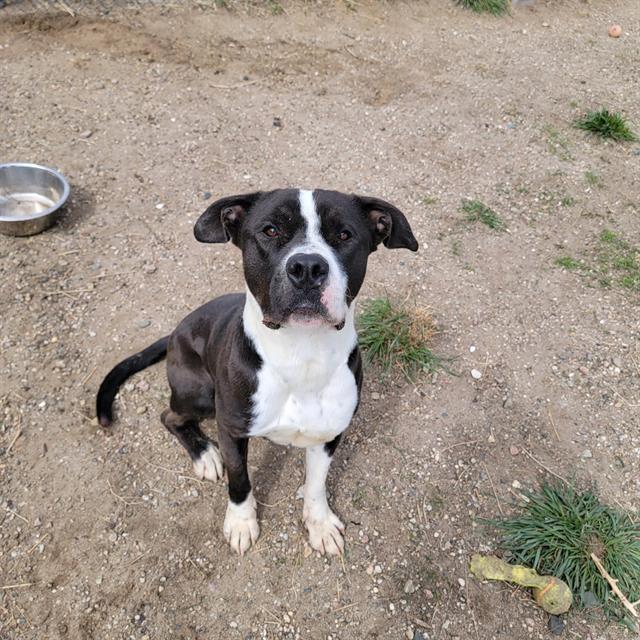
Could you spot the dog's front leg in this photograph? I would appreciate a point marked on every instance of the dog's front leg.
(240, 522)
(326, 532)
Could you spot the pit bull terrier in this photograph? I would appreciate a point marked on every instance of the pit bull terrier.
(281, 360)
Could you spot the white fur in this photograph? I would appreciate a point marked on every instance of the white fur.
(240, 527)
(325, 529)
(333, 295)
(306, 394)
(209, 465)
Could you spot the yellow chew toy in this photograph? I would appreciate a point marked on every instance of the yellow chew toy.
(549, 592)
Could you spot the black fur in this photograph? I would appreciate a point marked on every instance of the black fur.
(123, 370)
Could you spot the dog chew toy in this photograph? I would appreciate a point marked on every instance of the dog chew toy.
(549, 592)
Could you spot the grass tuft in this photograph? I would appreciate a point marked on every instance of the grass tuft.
(569, 263)
(494, 7)
(614, 262)
(396, 337)
(559, 528)
(606, 124)
(479, 212)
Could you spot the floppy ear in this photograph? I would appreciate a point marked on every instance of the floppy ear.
(223, 219)
(388, 224)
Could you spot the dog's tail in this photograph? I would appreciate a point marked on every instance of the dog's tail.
(123, 370)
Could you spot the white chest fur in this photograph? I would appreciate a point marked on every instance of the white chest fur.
(306, 393)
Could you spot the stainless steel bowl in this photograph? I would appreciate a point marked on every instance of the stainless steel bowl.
(31, 197)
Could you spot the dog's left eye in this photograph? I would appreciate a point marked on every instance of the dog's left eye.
(271, 231)
(345, 235)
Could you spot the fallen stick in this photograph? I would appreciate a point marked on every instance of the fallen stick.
(613, 583)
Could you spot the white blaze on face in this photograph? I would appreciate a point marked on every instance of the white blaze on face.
(333, 295)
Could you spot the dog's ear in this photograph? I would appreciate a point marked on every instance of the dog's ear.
(388, 224)
(223, 219)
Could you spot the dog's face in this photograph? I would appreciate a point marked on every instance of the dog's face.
(305, 252)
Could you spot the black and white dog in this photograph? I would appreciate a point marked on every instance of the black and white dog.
(280, 361)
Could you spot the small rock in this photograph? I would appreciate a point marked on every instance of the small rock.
(377, 569)
(508, 402)
(277, 122)
(516, 485)
(375, 396)
(615, 31)
(586, 454)
(85, 135)
(461, 582)
(472, 348)
(617, 362)
(475, 374)
(143, 324)
(556, 625)
(160, 205)
(409, 587)
(530, 622)
(141, 410)
(513, 450)
(419, 635)
(233, 624)
(206, 195)
(584, 371)
(149, 268)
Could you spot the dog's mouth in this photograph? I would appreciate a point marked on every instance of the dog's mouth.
(304, 313)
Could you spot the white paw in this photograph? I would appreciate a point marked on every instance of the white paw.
(241, 528)
(209, 465)
(326, 532)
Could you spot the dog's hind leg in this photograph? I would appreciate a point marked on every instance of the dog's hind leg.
(207, 461)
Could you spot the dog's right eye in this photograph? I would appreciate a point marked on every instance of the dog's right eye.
(271, 231)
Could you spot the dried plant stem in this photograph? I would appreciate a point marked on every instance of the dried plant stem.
(613, 583)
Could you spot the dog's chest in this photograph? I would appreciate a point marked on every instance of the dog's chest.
(304, 397)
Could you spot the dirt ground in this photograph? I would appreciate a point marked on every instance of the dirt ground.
(151, 113)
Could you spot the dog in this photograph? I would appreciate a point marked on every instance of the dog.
(280, 361)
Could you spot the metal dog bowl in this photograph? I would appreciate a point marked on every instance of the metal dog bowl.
(31, 197)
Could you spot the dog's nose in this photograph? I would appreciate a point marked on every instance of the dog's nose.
(307, 270)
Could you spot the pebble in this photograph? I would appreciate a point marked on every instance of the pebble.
(149, 268)
(85, 135)
(556, 625)
(409, 587)
(513, 450)
(206, 195)
(141, 410)
(143, 324)
(476, 374)
(586, 454)
(516, 485)
(375, 396)
(461, 582)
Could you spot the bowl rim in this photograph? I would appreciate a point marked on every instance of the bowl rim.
(66, 190)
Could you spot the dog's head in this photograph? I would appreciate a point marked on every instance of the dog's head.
(305, 252)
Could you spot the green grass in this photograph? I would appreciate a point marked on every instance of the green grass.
(479, 212)
(429, 200)
(593, 179)
(559, 528)
(618, 261)
(606, 124)
(614, 262)
(568, 201)
(396, 337)
(494, 7)
(569, 263)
